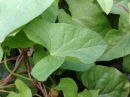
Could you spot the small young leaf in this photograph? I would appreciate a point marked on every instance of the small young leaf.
(24, 91)
(12, 94)
(106, 5)
(118, 40)
(68, 86)
(110, 81)
(46, 66)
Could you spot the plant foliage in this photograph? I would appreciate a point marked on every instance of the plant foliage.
(64, 48)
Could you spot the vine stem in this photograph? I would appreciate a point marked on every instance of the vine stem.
(4, 91)
(121, 6)
(10, 76)
(15, 74)
(8, 86)
(39, 86)
(37, 95)
(52, 81)
(10, 59)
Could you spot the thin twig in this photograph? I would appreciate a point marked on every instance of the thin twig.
(28, 68)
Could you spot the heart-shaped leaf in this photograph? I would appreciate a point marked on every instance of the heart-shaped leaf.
(12, 94)
(68, 86)
(15, 13)
(68, 40)
(118, 40)
(46, 66)
(89, 93)
(23, 89)
(110, 81)
(106, 5)
(85, 13)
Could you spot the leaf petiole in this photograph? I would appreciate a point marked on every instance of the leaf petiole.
(15, 74)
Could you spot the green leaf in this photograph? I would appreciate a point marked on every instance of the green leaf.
(18, 41)
(120, 7)
(68, 40)
(87, 15)
(57, 0)
(12, 94)
(51, 13)
(1, 53)
(66, 18)
(106, 5)
(89, 93)
(129, 11)
(76, 66)
(28, 83)
(16, 31)
(126, 64)
(118, 41)
(110, 81)
(23, 89)
(46, 66)
(39, 53)
(16, 13)
(68, 86)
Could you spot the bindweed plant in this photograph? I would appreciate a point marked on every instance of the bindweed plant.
(64, 48)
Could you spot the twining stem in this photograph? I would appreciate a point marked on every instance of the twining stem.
(10, 59)
(37, 95)
(45, 89)
(39, 86)
(122, 6)
(15, 74)
(28, 67)
(4, 91)
(52, 81)
(7, 86)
